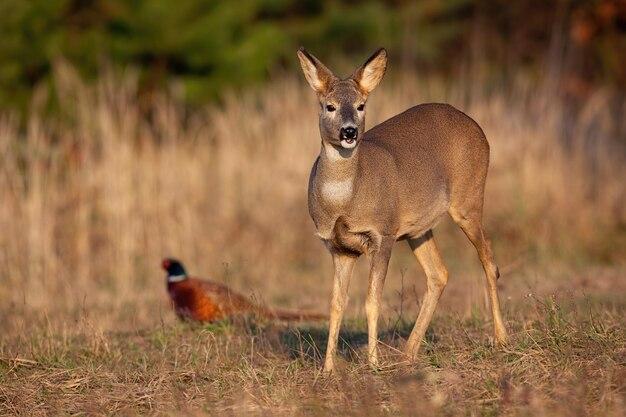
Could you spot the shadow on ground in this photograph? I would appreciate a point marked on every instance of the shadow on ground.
(309, 342)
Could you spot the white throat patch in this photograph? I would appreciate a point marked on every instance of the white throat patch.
(337, 191)
(176, 278)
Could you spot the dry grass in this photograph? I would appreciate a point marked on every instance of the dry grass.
(92, 200)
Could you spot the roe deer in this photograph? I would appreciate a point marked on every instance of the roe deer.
(393, 182)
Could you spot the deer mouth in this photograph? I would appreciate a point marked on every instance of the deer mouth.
(348, 143)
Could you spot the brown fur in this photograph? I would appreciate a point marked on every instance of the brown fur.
(395, 183)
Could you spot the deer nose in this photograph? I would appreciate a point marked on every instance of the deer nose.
(348, 132)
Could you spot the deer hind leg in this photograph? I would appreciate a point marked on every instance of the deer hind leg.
(471, 224)
(428, 255)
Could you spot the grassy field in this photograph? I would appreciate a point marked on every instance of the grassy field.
(94, 197)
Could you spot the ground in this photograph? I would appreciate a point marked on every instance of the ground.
(566, 357)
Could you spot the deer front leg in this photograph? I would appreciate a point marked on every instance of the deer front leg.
(343, 271)
(378, 272)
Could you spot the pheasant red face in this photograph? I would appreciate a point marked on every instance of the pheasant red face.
(175, 269)
(166, 264)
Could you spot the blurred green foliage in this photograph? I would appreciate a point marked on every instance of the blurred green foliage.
(211, 45)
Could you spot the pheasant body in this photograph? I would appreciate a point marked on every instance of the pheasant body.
(207, 301)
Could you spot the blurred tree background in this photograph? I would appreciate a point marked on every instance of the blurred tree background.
(212, 46)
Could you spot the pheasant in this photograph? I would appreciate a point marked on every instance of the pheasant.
(208, 301)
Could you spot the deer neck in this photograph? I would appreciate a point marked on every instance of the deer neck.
(336, 173)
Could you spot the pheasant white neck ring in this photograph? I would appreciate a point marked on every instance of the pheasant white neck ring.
(176, 278)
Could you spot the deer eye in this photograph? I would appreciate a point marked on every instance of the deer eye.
(330, 107)
(361, 107)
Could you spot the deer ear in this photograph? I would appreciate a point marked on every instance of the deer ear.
(316, 73)
(369, 74)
